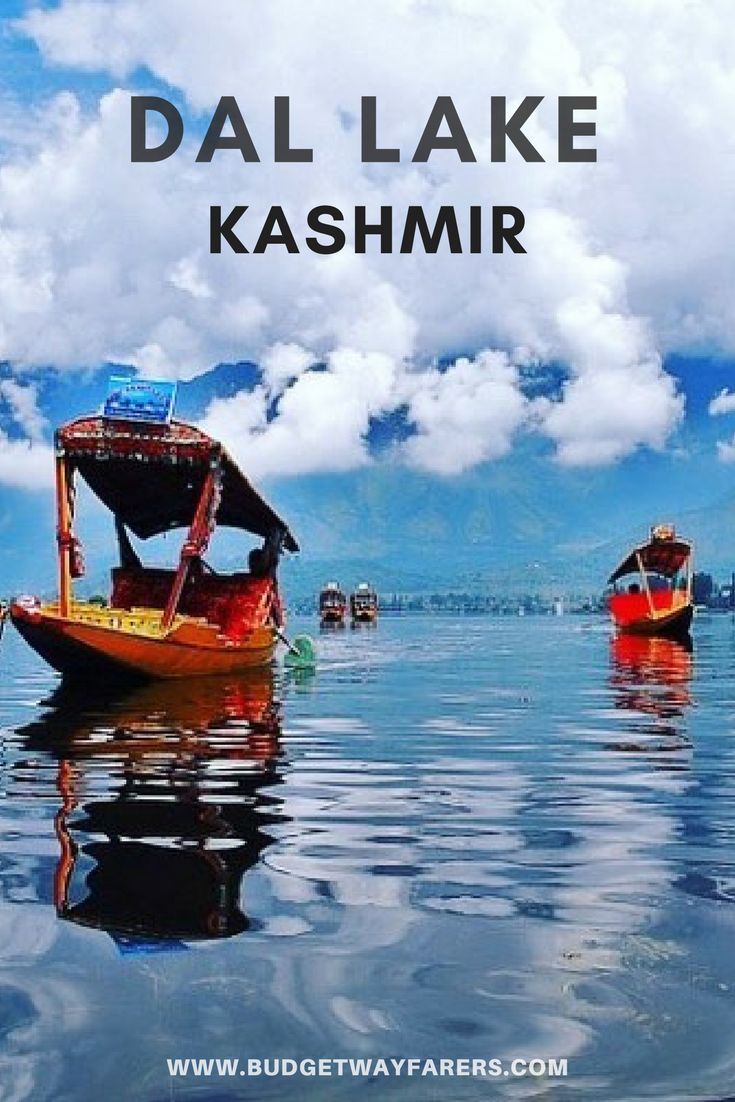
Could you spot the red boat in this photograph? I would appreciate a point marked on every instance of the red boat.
(332, 605)
(180, 622)
(660, 601)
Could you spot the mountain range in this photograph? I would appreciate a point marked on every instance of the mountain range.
(520, 523)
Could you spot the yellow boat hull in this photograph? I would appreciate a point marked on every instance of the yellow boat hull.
(131, 643)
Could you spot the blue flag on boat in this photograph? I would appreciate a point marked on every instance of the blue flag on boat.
(133, 399)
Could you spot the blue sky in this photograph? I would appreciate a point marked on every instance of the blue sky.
(27, 78)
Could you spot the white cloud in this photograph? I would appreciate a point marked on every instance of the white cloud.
(726, 450)
(283, 363)
(724, 402)
(323, 417)
(23, 404)
(187, 277)
(466, 414)
(25, 465)
(607, 413)
(101, 259)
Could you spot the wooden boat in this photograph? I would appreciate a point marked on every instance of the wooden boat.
(183, 622)
(364, 604)
(660, 602)
(332, 605)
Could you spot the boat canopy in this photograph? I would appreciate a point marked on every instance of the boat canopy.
(152, 476)
(659, 556)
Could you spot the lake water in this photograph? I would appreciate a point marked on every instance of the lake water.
(461, 837)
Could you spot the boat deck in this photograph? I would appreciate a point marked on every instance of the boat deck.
(144, 622)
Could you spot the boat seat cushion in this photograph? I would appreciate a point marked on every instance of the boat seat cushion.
(236, 603)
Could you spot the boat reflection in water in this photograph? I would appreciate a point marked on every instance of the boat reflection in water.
(186, 765)
(651, 677)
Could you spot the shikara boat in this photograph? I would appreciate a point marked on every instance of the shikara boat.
(332, 604)
(160, 623)
(364, 604)
(659, 601)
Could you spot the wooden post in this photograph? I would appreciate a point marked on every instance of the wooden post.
(646, 586)
(63, 533)
(194, 545)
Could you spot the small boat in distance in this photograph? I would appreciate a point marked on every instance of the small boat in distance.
(660, 602)
(364, 604)
(160, 623)
(332, 605)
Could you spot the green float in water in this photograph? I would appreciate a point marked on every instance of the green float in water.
(301, 653)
